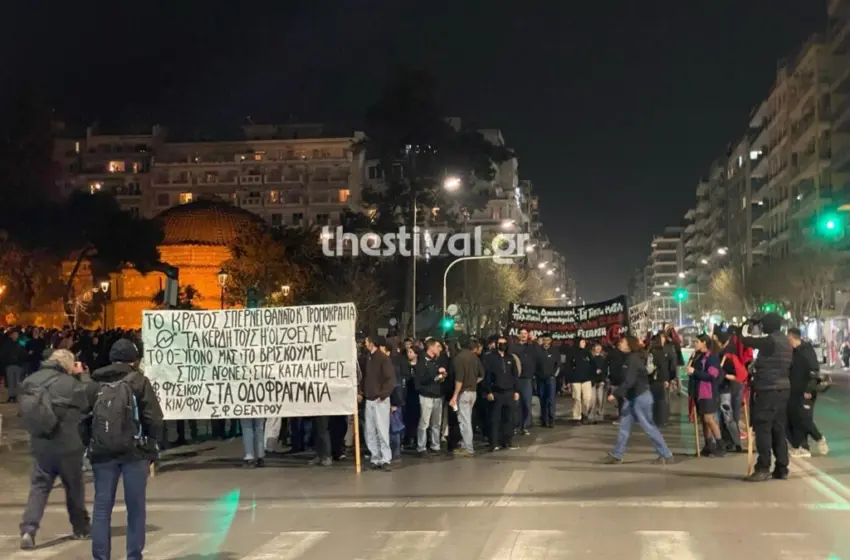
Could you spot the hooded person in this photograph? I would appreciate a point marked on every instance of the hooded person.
(122, 446)
(770, 391)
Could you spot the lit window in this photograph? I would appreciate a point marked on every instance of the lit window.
(95, 187)
(185, 198)
(115, 167)
(136, 167)
(274, 197)
(344, 194)
(77, 147)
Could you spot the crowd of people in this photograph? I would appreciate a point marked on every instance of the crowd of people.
(426, 396)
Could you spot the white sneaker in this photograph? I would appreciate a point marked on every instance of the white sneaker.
(823, 448)
(800, 453)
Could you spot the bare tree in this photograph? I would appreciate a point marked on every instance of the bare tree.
(727, 294)
(491, 287)
(361, 286)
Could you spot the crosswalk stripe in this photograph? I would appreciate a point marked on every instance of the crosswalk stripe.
(667, 545)
(532, 545)
(288, 546)
(408, 545)
(171, 546)
(58, 550)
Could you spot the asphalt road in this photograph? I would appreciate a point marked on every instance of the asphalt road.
(550, 499)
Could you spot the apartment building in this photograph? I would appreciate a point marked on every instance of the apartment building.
(666, 262)
(288, 174)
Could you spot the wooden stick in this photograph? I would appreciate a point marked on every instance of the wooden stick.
(357, 437)
(696, 429)
(750, 455)
(152, 469)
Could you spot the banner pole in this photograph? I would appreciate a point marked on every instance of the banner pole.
(750, 443)
(357, 455)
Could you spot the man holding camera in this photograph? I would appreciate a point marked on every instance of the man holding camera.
(771, 386)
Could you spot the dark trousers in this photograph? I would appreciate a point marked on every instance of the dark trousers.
(106, 475)
(45, 469)
(329, 436)
(181, 430)
(411, 415)
(801, 422)
(660, 406)
(769, 418)
(502, 419)
(525, 393)
(546, 392)
(453, 440)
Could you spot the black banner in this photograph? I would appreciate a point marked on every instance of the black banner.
(603, 320)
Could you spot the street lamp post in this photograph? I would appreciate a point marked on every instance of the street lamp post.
(454, 262)
(104, 287)
(222, 282)
(450, 184)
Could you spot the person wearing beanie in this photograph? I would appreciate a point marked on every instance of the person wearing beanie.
(132, 464)
(770, 391)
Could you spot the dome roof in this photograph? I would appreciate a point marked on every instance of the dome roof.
(206, 222)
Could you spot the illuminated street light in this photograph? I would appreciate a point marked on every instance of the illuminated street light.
(452, 183)
(557, 289)
(550, 272)
(722, 251)
(666, 284)
(508, 224)
(704, 261)
(529, 248)
(542, 265)
(681, 275)
(284, 290)
(104, 286)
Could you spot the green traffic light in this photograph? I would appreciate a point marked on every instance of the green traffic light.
(448, 324)
(830, 225)
(681, 294)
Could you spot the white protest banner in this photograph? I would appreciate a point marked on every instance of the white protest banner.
(252, 363)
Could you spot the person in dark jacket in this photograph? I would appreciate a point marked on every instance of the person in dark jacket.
(637, 404)
(616, 361)
(429, 384)
(805, 371)
(770, 388)
(133, 466)
(16, 359)
(531, 362)
(378, 383)
(59, 455)
(659, 380)
(580, 379)
(546, 380)
(501, 387)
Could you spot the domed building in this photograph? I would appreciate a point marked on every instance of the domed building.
(197, 240)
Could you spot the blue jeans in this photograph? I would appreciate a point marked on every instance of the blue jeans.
(639, 410)
(253, 438)
(377, 415)
(525, 393)
(106, 475)
(465, 404)
(546, 394)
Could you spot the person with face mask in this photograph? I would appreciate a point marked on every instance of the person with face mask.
(501, 387)
(546, 389)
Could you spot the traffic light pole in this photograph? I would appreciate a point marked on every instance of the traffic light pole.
(454, 262)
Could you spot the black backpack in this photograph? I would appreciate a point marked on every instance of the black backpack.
(116, 428)
(35, 405)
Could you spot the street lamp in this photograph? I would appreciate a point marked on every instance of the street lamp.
(222, 282)
(542, 265)
(104, 287)
(666, 284)
(704, 261)
(285, 290)
(450, 184)
(454, 262)
(508, 224)
(681, 275)
(722, 251)
(550, 272)
(557, 290)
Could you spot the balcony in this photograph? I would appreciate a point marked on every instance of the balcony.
(841, 158)
(759, 216)
(816, 122)
(809, 164)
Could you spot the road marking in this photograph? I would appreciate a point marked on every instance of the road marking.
(667, 545)
(531, 545)
(511, 487)
(406, 545)
(535, 446)
(448, 503)
(173, 545)
(819, 480)
(288, 546)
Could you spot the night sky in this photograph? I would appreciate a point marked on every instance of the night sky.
(615, 109)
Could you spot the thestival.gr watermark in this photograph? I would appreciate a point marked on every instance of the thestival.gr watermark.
(504, 247)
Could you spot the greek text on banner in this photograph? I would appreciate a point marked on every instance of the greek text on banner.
(252, 363)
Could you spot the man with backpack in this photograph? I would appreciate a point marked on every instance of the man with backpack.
(52, 404)
(126, 423)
